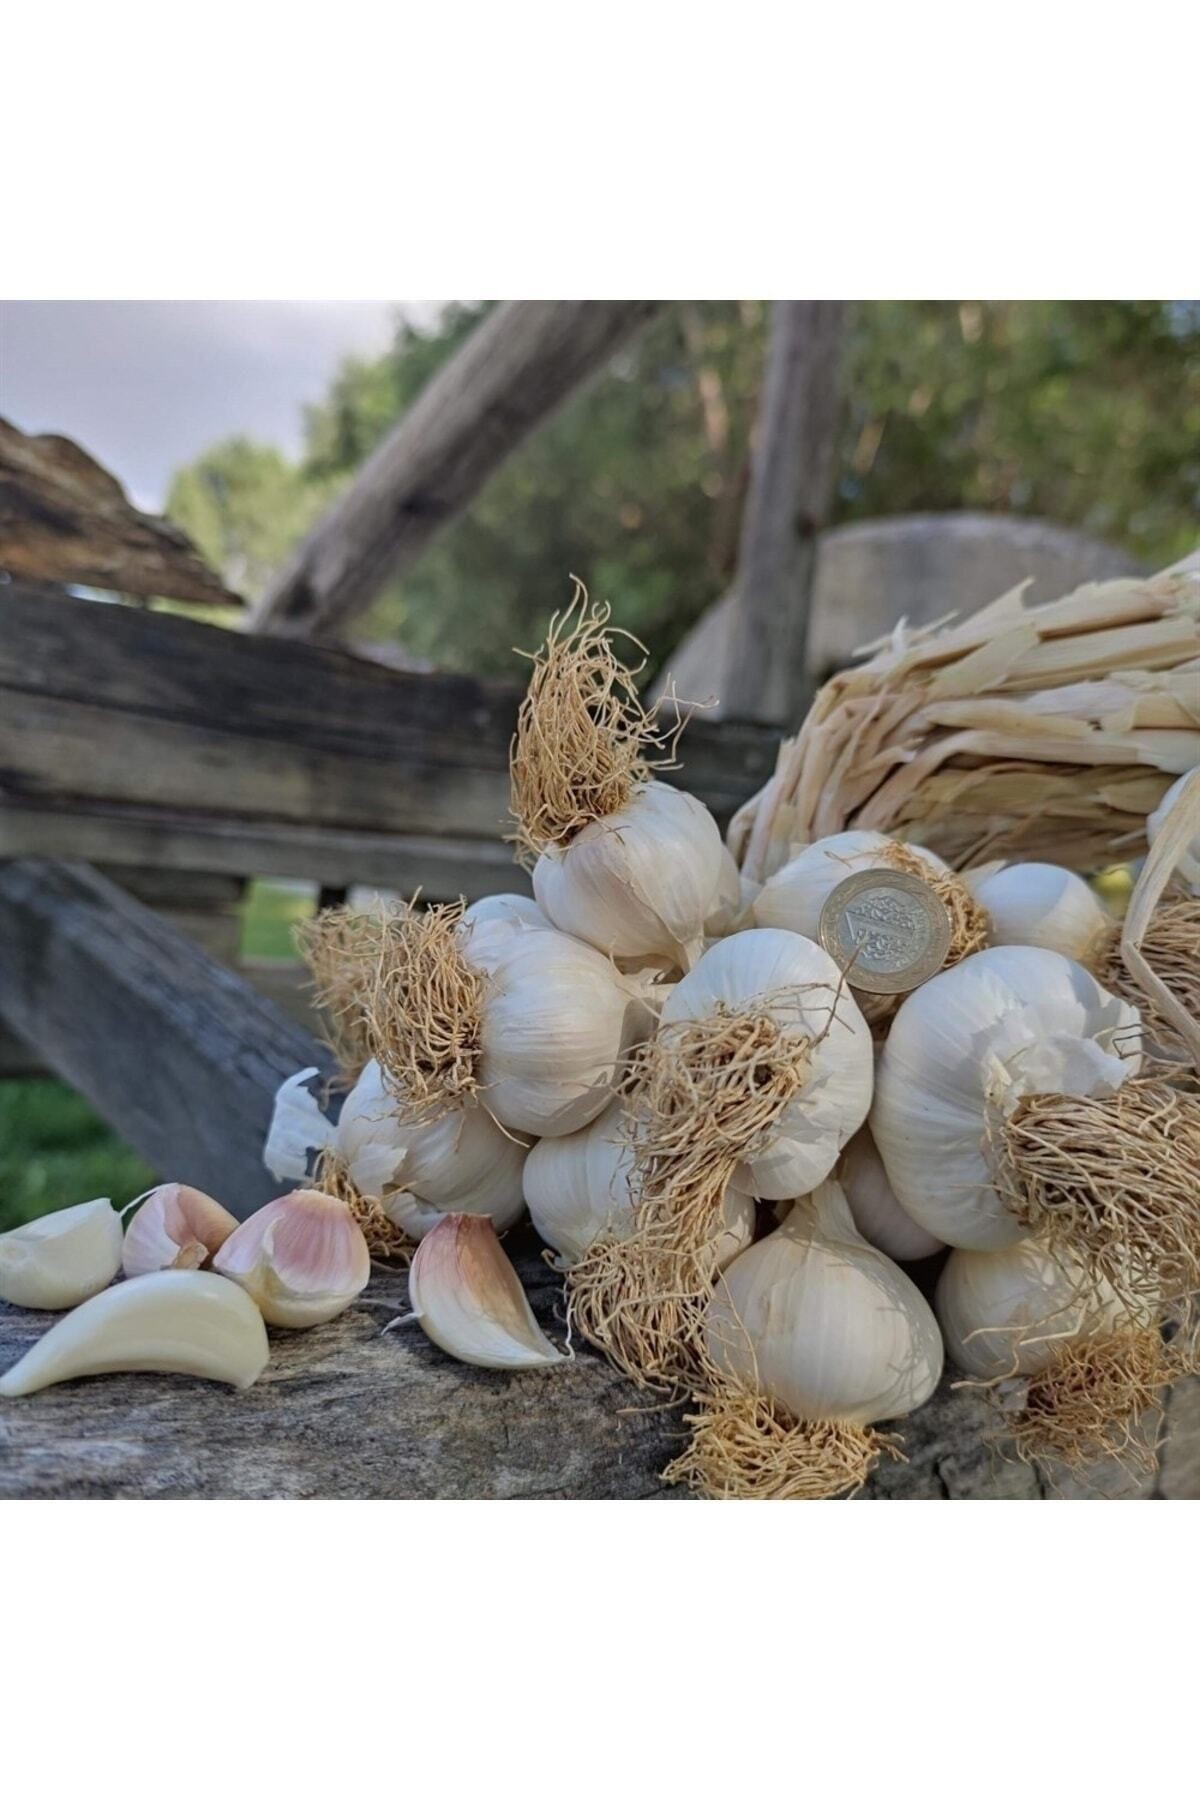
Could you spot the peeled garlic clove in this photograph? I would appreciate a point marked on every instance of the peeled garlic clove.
(174, 1322)
(302, 1258)
(62, 1258)
(1042, 905)
(176, 1227)
(468, 1300)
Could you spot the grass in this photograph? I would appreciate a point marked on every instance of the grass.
(270, 914)
(55, 1151)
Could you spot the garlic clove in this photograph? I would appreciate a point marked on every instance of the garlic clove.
(62, 1258)
(176, 1227)
(174, 1322)
(466, 1296)
(302, 1258)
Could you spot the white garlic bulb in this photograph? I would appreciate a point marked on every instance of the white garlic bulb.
(174, 1322)
(877, 1212)
(793, 897)
(1043, 906)
(176, 1227)
(460, 1162)
(735, 896)
(578, 1189)
(1188, 866)
(62, 1258)
(1008, 1312)
(468, 1301)
(1000, 1025)
(505, 906)
(640, 882)
(302, 1259)
(823, 1324)
(803, 989)
(558, 1020)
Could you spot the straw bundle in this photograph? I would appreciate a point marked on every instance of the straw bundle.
(1040, 732)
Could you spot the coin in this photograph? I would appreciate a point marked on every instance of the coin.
(887, 930)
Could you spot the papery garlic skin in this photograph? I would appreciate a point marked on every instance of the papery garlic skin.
(640, 882)
(302, 1259)
(971, 1043)
(62, 1258)
(558, 1021)
(1041, 905)
(174, 1322)
(578, 1189)
(823, 1324)
(467, 1299)
(1188, 866)
(877, 1213)
(793, 897)
(807, 995)
(1008, 1312)
(176, 1227)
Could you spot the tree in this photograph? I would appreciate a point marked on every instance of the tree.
(244, 504)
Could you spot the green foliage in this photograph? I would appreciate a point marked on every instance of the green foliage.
(1086, 413)
(270, 914)
(55, 1151)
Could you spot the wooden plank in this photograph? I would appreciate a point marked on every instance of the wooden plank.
(141, 716)
(791, 487)
(515, 369)
(64, 518)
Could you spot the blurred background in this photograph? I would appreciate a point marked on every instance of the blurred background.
(244, 421)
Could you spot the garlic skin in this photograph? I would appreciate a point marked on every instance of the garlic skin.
(517, 907)
(1007, 1312)
(301, 1258)
(468, 1301)
(1001, 1024)
(1041, 905)
(806, 993)
(461, 1162)
(1188, 866)
(640, 882)
(734, 899)
(174, 1322)
(823, 1324)
(62, 1258)
(793, 897)
(877, 1213)
(558, 1020)
(175, 1227)
(578, 1189)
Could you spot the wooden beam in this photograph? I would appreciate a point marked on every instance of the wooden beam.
(790, 490)
(518, 365)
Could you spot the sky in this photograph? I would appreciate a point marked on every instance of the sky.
(145, 385)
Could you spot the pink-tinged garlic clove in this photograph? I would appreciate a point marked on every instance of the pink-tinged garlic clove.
(467, 1299)
(177, 1227)
(302, 1258)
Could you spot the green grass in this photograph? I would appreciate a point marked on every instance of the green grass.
(269, 916)
(55, 1151)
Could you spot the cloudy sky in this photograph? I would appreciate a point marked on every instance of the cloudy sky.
(144, 385)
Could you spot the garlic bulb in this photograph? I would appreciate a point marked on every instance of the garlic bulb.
(466, 1297)
(802, 989)
(176, 1227)
(301, 1258)
(639, 882)
(876, 1211)
(793, 897)
(1188, 865)
(174, 1322)
(557, 1021)
(460, 1162)
(505, 906)
(733, 900)
(1041, 905)
(1007, 1312)
(578, 1188)
(62, 1258)
(1004, 1024)
(822, 1324)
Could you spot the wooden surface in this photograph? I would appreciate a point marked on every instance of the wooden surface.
(128, 736)
(184, 1058)
(791, 486)
(63, 518)
(512, 372)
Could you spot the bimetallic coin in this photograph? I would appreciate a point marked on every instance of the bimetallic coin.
(887, 930)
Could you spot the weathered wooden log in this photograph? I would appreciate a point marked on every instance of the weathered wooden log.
(64, 518)
(514, 370)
